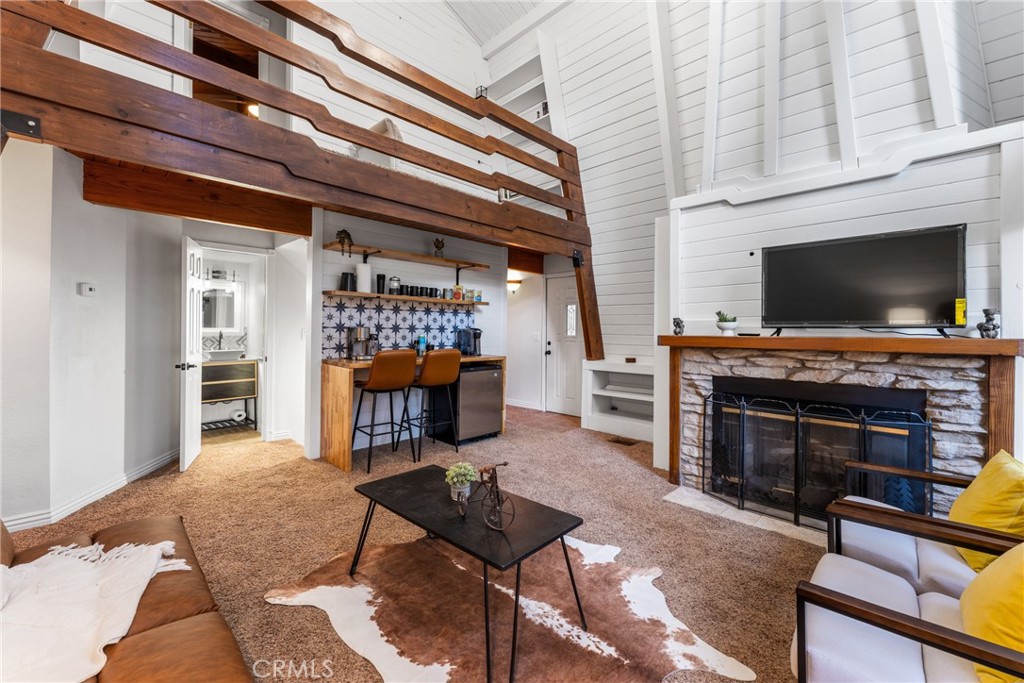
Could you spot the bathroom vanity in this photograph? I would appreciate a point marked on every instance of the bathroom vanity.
(232, 380)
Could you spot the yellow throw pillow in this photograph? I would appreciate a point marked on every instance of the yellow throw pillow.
(992, 607)
(994, 500)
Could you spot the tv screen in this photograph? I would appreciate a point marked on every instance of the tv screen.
(913, 278)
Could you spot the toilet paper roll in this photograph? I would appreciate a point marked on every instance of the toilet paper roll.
(238, 415)
(363, 277)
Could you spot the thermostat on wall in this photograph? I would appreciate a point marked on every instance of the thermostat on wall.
(86, 289)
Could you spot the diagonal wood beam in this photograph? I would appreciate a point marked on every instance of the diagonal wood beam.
(347, 42)
(335, 79)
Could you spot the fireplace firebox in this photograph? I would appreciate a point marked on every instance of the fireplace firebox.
(779, 447)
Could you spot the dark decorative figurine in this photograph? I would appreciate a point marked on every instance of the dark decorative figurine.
(990, 328)
(677, 326)
(344, 238)
(438, 247)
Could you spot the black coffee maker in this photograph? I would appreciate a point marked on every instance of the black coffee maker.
(467, 340)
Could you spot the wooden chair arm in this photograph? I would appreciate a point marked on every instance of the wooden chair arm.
(933, 477)
(921, 526)
(925, 632)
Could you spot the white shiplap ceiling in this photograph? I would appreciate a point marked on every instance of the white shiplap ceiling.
(485, 19)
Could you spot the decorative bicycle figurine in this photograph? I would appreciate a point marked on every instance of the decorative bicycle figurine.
(497, 508)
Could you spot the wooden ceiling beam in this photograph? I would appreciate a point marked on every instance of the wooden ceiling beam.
(175, 194)
(86, 133)
(50, 77)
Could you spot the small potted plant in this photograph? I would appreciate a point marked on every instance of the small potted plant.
(460, 477)
(726, 323)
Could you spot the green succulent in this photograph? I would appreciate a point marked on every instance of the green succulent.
(724, 317)
(460, 474)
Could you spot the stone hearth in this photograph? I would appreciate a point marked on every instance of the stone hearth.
(956, 389)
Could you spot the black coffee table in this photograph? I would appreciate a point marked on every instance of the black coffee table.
(422, 497)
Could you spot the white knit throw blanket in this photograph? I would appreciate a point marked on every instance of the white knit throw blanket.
(60, 610)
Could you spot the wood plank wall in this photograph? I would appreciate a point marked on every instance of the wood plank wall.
(999, 23)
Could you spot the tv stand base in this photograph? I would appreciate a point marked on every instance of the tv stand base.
(776, 333)
(942, 332)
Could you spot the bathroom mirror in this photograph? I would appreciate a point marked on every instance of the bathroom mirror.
(223, 307)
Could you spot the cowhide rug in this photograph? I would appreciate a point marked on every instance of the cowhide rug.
(415, 610)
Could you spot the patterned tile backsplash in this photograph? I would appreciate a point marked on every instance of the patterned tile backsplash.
(231, 341)
(396, 323)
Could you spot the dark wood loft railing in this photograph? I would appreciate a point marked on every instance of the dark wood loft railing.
(119, 123)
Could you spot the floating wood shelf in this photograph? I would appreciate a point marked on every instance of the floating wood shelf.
(409, 256)
(400, 297)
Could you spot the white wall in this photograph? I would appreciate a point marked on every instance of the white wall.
(720, 273)
(87, 344)
(25, 219)
(524, 364)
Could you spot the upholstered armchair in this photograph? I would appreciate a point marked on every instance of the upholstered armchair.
(850, 612)
(915, 547)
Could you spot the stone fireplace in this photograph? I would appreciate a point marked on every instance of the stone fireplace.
(780, 446)
(967, 392)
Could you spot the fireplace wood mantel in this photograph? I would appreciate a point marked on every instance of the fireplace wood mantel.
(999, 354)
(937, 346)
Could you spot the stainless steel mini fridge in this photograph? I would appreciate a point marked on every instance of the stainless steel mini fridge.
(477, 398)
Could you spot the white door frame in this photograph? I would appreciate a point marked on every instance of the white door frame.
(264, 406)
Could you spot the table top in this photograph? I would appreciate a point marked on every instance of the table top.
(361, 364)
(422, 497)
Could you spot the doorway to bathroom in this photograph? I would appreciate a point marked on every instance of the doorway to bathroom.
(232, 313)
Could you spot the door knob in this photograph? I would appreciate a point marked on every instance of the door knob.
(548, 352)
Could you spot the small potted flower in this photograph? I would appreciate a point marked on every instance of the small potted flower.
(460, 477)
(726, 323)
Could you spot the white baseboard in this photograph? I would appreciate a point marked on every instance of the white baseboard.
(523, 404)
(60, 512)
(152, 465)
(280, 436)
(42, 517)
(27, 520)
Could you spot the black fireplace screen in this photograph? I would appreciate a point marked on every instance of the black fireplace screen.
(786, 456)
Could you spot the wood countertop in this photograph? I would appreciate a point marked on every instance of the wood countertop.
(365, 364)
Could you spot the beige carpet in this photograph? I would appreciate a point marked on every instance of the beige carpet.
(260, 515)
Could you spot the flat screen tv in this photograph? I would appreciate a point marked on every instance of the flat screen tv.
(913, 278)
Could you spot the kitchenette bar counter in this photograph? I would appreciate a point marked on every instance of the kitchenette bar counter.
(337, 378)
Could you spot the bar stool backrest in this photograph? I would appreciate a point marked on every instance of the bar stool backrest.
(440, 368)
(391, 370)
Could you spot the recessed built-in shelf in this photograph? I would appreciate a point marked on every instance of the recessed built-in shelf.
(629, 393)
(618, 398)
(409, 256)
(401, 297)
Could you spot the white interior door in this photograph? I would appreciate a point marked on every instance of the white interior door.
(191, 365)
(563, 349)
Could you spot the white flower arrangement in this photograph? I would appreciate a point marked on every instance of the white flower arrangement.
(460, 474)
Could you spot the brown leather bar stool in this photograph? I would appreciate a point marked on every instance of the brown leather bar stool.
(440, 369)
(390, 372)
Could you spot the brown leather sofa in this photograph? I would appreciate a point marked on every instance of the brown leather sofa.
(178, 634)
